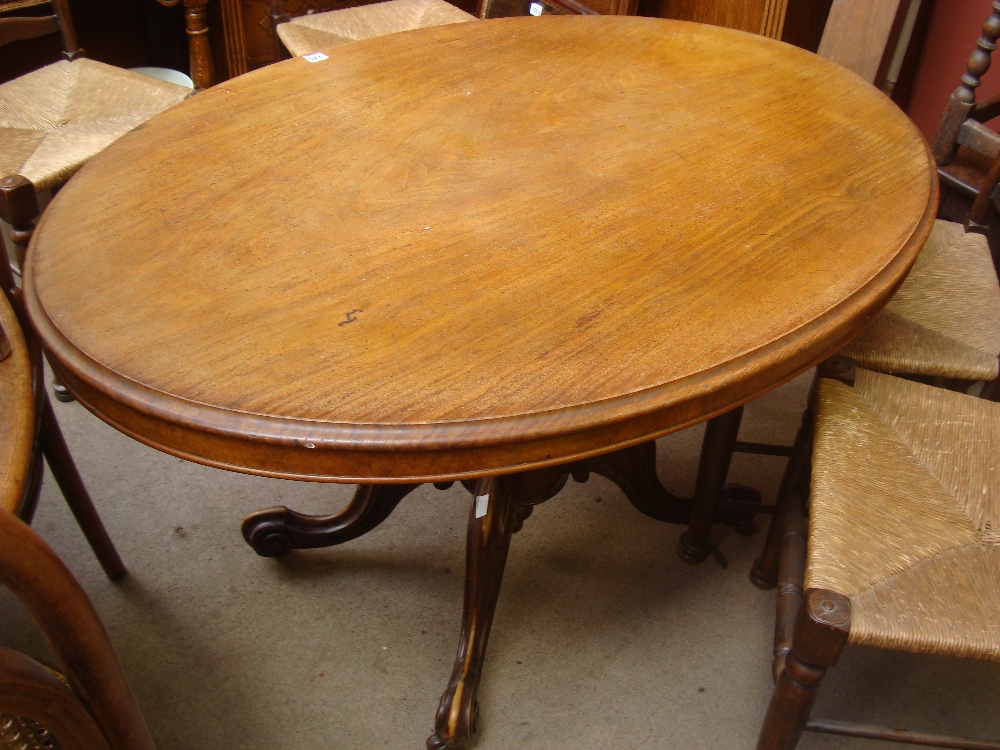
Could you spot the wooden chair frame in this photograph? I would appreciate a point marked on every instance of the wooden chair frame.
(94, 708)
(812, 625)
(18, 207)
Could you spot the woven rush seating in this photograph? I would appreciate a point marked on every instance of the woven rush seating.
(318, 32)
(945, 319)
(942, 325)
(54, 119)
(903, 551)
(17, 733)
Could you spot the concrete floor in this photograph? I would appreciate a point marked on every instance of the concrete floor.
(603, 637)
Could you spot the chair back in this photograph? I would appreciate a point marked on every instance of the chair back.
(863, 37)
(94, 707)
(966, 150)
(20, 27)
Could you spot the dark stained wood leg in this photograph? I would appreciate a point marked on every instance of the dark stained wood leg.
(200, 51)
(68, 478)
(793, 489)
(634, 471)
(713, 467)
(794, 486)
(820, 635)
(32, 488)
(275, 531)
(491, 524)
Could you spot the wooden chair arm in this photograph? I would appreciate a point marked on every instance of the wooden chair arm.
(64, 614)
(987, 109)
(31, 691)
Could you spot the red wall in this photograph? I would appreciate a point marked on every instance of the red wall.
(951, 38)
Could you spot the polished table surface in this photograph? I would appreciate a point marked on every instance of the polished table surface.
(557, 235)
(474, 250)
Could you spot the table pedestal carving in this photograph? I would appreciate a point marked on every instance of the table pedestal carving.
(499, 508)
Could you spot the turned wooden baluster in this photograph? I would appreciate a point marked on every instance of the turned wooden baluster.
(820, 636)
(199, 47)
(963, 99)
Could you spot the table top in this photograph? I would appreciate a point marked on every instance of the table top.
(474, 249)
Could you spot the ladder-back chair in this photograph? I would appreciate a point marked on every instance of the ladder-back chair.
(320, 32)
(54, 119)
(900, 550)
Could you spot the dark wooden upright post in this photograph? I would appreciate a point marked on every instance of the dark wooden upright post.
(820, 635)
(963, 99)
(199, 48)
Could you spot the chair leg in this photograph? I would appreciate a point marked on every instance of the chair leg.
(820, 635)
(794, 487)
(68, 478)
(717, 450)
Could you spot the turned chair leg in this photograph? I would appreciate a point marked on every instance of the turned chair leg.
(820, 635)
(793, 489)
(795, 481)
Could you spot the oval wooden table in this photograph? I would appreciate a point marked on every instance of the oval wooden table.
(494, 252)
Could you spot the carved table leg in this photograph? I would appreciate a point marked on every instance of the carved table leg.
(634, 471)
(275, 531)
(491, 524)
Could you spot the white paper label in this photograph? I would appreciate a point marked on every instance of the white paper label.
(535, 9)
(482, 503)
(314, 57)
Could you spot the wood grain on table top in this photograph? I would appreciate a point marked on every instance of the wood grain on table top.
(548, 226)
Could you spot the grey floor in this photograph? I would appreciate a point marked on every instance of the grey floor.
(603, 637)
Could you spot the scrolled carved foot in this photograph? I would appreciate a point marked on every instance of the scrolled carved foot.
(275, 531)
(265, 532)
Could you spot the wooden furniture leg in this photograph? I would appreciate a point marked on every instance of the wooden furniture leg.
(795, 481)
(199, 49)
(633, 469)
(77, 498)
(794, 484)
(491, 524)
(820, 635)
(275, 531)
(713, 466)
